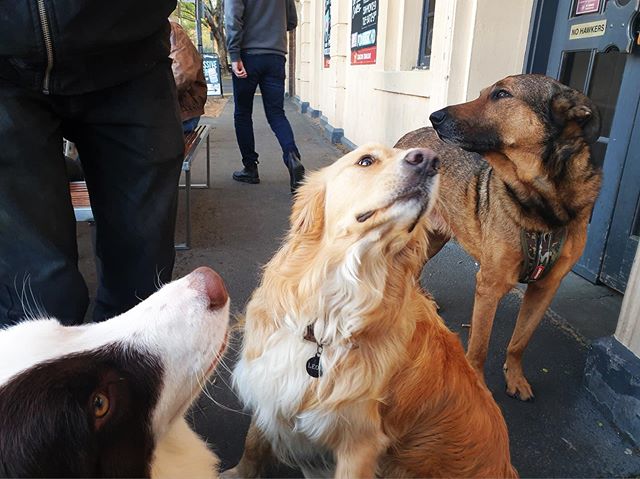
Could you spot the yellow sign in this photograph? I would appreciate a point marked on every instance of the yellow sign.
(588, 30)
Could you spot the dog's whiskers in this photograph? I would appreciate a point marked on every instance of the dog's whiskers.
(221, 378)
(28, 302)
(158, 283)
(211, 398)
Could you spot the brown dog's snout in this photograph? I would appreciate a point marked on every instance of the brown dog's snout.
(423, 159)
(437, 118)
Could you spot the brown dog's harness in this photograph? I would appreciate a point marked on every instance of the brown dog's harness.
(541, 251)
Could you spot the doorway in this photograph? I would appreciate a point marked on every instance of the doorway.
(591, 46)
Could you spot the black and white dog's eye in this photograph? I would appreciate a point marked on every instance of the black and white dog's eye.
(365, 161)
(502, 94)
(100, 405)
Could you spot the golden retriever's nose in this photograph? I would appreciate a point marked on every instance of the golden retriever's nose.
(424, 160)
(212, 284)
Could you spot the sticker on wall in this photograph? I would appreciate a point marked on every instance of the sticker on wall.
(326, 49)
(587, 6)
(588, 30)
(364, 31)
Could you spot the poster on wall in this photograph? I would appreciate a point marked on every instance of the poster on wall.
(364, 31)
(326, 49)
(211, 65)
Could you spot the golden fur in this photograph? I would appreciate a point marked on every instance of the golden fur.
(397, 397)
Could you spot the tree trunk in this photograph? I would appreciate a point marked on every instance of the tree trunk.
(215, 20)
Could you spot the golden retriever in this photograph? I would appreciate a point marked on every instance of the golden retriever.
(394, 394)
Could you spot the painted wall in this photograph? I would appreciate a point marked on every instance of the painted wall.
(475, 42)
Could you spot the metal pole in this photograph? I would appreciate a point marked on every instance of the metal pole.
(199, 24)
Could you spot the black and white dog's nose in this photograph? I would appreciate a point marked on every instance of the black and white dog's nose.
(423, 159)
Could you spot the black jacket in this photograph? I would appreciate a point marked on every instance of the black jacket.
(75, 46)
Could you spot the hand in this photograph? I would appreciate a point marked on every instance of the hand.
(238, 69)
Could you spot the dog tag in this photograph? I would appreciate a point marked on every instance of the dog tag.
(313, 364)
(313, 367)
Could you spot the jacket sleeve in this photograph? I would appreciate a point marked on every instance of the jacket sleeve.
(186, 61)
(292, 15)
(234, 25)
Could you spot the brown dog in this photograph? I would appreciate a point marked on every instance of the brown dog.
(516, 175)
(346, 365)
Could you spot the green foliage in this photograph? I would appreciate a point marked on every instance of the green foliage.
(185, 15)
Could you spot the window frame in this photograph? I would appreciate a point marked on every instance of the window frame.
(424, 59)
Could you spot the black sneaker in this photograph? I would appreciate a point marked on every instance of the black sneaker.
(247, 175)
(296, 170)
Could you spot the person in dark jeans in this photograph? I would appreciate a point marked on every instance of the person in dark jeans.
(257, 44)
(98, 74)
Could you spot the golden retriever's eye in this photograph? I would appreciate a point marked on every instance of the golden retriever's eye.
(366, 161)
(501, 94)
(100, 405)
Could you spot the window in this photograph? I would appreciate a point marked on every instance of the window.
(426, 35)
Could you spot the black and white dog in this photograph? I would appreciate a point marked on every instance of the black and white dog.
(108, 399)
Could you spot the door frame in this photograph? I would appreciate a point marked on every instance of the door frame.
(620, 251)
(539, 58)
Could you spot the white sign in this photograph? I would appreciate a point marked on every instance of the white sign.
(588, 30)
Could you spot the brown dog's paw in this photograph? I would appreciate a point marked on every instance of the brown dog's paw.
(518, 387)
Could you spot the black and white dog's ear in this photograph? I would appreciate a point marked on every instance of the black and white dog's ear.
(569, 105)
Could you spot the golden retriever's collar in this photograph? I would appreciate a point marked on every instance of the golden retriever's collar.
(308, 335)
(311, 337)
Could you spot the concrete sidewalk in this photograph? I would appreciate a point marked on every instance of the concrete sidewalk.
(237, 227)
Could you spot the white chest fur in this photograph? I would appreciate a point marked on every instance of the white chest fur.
(274, 386)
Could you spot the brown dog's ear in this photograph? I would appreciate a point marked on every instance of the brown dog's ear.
(571, 105)
(307, 214)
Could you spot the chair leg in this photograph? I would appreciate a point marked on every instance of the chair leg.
(187, 209)
(187, 178)
(208, 163)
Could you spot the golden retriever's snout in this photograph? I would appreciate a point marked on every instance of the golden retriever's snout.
(424, 161)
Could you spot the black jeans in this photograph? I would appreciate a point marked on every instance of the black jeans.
(131, 146)
(266, 70)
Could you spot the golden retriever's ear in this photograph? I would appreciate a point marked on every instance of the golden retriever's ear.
(307, 214)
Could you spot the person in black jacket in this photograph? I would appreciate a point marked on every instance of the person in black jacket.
(98, 74)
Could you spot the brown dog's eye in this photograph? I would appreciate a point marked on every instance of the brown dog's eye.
(502, 94)
(100, 405)
(365, 161)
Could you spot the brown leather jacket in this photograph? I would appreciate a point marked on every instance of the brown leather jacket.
(188, 73)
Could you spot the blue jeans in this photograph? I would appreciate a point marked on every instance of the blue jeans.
(266, 70)
(189, 125)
